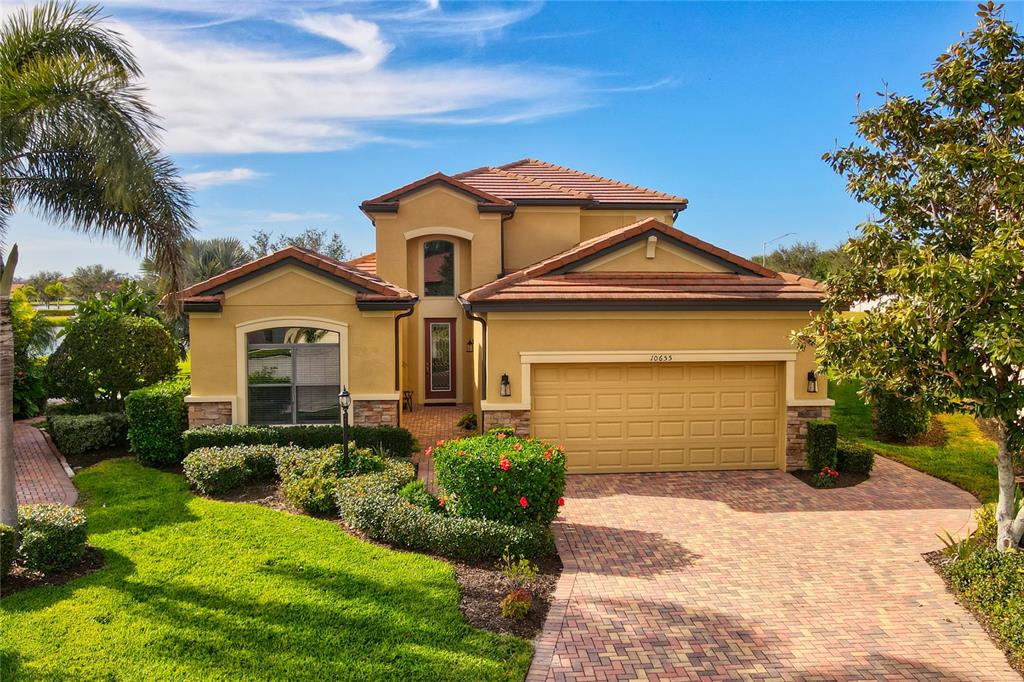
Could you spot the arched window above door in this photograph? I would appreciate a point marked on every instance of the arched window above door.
(438, 268)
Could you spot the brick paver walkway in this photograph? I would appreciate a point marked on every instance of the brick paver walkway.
(429, 425)
(754, 575)
(40, 475)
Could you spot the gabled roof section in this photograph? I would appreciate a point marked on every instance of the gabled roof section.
(390, 200)
(367, 263)
(534, 182)
(553, 284)
(372, 292)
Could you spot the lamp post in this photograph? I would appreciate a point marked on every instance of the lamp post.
(345, 400)
(764, 247)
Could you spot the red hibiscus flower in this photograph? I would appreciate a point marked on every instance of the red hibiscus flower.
(561, 501)
(502, 436)
(429, 451)
(517, 447)
(442, 501)
(439, 443)
(523, 502)
(561, 448)
(548, 453)
(504, 464)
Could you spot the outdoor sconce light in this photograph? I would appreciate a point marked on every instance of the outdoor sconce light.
(505, 388)
(469, 346)
(812, 382)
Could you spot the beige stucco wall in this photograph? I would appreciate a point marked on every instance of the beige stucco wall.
(595, 222)
(538, 232)
(290, 296)
(665, 258)
(740, 335)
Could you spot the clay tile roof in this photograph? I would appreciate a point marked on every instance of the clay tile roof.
(515, 186)
(370, 287)
(554, 281)
(602, 190)
(391, 199)
(368, 263)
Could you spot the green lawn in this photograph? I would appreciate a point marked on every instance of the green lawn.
(967, 460)
(195, 588)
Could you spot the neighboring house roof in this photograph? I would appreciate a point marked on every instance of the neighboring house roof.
(554, 284)
(371, 291)
(533, 182)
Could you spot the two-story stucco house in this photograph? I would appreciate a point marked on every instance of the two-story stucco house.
(551, 299)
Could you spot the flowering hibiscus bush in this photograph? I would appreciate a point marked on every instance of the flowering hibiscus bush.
(501, 477)
(826, 478)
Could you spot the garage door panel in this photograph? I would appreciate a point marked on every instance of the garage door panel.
(660, 417)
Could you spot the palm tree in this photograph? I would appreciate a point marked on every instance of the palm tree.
(79, 146)
(203, 258)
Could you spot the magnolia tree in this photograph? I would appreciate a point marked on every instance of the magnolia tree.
(945, 253)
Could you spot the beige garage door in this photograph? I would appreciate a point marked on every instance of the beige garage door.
(661, 417)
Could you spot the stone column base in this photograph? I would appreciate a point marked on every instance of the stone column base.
(797, 417)
(208, 414)
(518, 419)
(375, 412)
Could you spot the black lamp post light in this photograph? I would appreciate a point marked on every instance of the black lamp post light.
(345, 400)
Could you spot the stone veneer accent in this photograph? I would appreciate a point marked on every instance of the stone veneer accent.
(520, 419)
(797, 417)
(208, 414)
(375, 412)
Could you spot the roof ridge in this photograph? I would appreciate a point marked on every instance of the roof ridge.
(438, 176)
(592, 176)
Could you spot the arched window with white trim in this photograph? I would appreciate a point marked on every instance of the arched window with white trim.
(293, 375)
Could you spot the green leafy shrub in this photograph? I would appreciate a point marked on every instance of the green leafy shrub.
(33, 333)
(467, 422)
(8, 548)
(75, 434)
(822, 436)
(372, 505)
(501, 478)
(313, 493)
(899, 419)
(521, 573)
(416, 493)
(993, 583)
(104, 356)
(516, 604)
(52, 536)
(308, 477)
(29, 390)
(157, 417)
(213, 471)
(854, 458)
(397, 442)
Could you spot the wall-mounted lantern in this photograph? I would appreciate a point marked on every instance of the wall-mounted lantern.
(469, 346)
(812, 382)
(505, 390)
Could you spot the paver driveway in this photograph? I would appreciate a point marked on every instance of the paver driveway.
(754, 575)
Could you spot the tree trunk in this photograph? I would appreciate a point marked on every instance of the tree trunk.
(8, 489)
(1009, 521)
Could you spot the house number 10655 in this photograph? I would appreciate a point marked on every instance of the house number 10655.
(661, 358)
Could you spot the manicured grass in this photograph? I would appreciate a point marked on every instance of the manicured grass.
(185, 366)
(967, 460)
(195, 588)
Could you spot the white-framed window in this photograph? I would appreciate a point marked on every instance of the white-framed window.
(438, 268)
(293, 375)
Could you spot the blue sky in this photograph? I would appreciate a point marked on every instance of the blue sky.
(286, 115)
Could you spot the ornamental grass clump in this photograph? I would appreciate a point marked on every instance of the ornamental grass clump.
(501, 477)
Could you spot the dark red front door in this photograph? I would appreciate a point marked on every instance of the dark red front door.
(439, 358)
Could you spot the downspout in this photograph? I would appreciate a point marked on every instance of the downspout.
(504, 217)
(483, 358)
(398, 361)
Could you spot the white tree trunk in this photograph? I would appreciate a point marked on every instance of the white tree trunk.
(8, 489)
(1009, 526)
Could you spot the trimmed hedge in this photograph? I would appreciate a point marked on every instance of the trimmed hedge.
(899, 419)
(822, 436)
(75, 434)
(157, 416)
(309, 477)
(372, 505)
(396, 441)
(854, 458)
(52, 536)
(212, 471)
(416, 493)
(501, 478)
(8, 548)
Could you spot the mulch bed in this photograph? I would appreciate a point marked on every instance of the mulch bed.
(87, 459)
(264, 493)
(937, 560)
(483, 587)
(21, 579)
(845, 480)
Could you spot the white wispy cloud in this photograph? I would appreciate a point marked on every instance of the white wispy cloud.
(214, 178)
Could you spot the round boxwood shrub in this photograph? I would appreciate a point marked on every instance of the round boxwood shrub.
(212, 471)
(855, 458)
(899, 419)
(8, 548)
(502, 478)
(52, 536)
(104, 357)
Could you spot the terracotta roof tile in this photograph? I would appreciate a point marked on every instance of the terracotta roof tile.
(602, 190)
(374, 287)
(367, 263)
(515, 186)
(393, 197)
